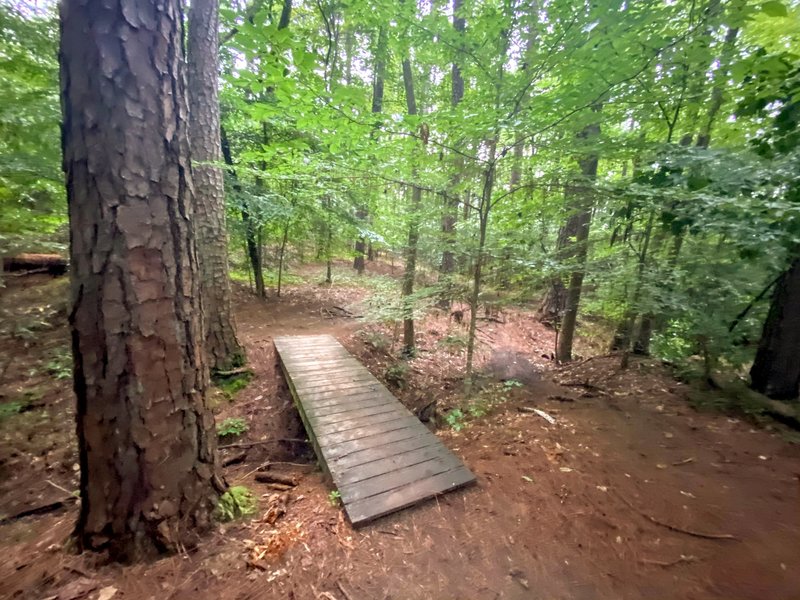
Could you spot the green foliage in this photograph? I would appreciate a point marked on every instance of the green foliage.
(32, 208)
(232, 426)
(396, 374)
(335, 498)
(60, 364)
(455, 419)
(230, 385)
(480, 405)
(234, 504)
(12, 408)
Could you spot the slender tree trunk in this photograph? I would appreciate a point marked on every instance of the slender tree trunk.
(250, 228)
(776, 369)
(281, 256)
(224, 350)
(378, 76)
(146, 439)
(485, 207)
(450, 204)
(581, 199)
(409, 343)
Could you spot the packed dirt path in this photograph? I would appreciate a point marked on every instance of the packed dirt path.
(630, 493)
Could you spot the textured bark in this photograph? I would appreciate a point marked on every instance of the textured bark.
(776, 369)
(223, 349)
(145, 436)
(580, 200)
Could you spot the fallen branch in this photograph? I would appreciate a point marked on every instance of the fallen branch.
(38, 510)
(232, 372)
(698, 534)
(251, 444)
(685, 461)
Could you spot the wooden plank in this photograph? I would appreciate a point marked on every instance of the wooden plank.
(378, 454)
(320, 382)
(362, 511)
(308, 366)
(367, 411)
(332, 440)
(362, 399)
(352, 446)
(399, 478)
(363, 471)
(355, 459)
(319, 396)
(352, 372)
(347, 424)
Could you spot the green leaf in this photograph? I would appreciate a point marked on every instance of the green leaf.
(773, 8)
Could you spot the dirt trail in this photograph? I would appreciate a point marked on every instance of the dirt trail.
(602, 504)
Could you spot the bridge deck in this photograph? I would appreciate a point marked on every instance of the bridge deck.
(378, 454)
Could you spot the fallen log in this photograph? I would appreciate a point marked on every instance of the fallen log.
(272, 477)
(52, 264)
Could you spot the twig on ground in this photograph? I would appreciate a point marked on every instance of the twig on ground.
(698, 534)
(670, 563)
(685, 461)
(344, 591)
(63, 489)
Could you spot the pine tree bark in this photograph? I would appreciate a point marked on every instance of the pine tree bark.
(223, 348)
(146, 439)
(776, 369)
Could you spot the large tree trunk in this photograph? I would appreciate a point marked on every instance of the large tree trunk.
(776, 370)
(224, 350)
(581, 202)
(146, 439)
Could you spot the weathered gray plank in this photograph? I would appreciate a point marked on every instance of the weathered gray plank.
(399, 478)
(344, 463)
(362, 511)
(332, 440)
(370, 469)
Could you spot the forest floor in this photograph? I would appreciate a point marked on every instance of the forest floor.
(632, 493)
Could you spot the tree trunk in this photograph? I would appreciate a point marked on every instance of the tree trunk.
(281, 257)
(581, 201)
(361, 243)
(484, 207)
(378, 75)
(224, 350)
(450, 204)
(250, 228)
(409, 344)
(146, 439)
(776, 370)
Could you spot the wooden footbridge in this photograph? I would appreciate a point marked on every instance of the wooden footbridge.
(378, 454)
